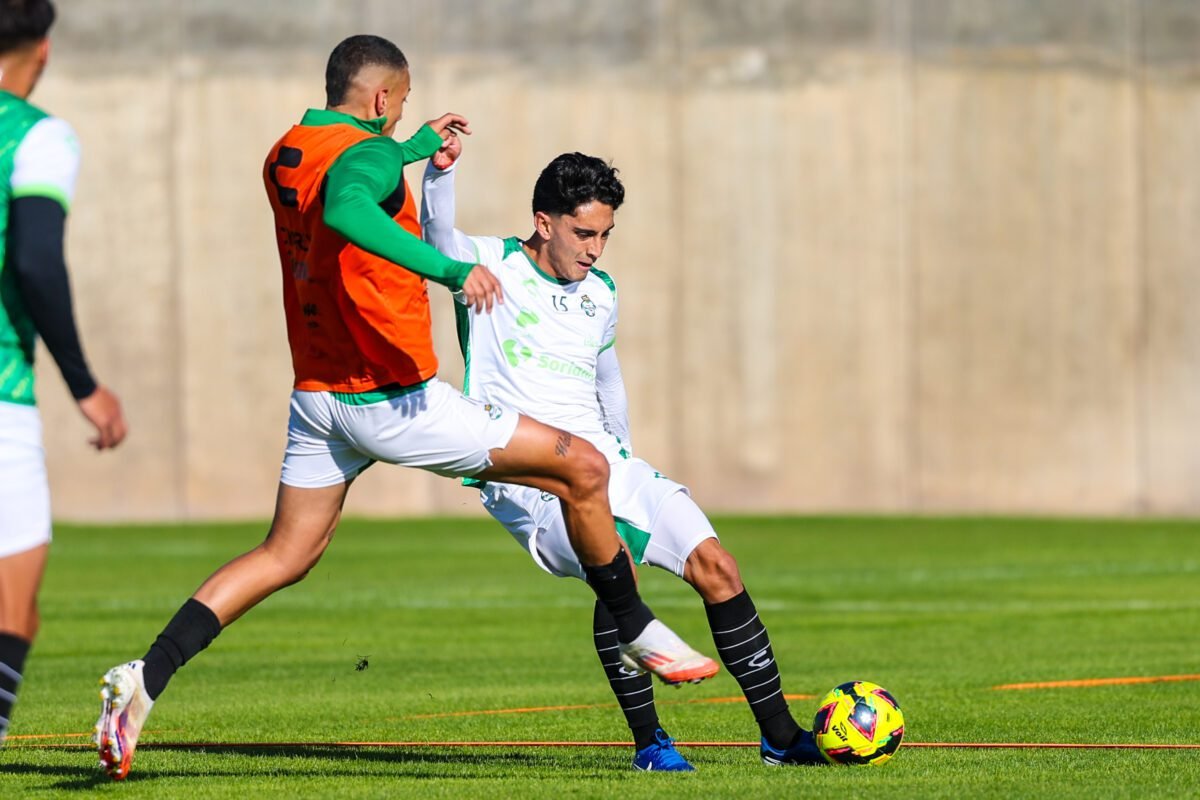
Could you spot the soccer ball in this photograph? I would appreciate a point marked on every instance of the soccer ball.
(858, 723)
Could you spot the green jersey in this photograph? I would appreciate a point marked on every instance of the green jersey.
(39, 156)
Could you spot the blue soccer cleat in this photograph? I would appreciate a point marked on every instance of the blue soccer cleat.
(802, 753)
(661, 756)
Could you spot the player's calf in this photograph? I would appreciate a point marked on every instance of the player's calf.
(745, 648)
(645, 642)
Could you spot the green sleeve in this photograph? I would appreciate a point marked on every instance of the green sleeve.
(423, 144)
(358, 182)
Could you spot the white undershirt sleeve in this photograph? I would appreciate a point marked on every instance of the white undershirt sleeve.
(437, 215)
(610, 391)
(46, 163)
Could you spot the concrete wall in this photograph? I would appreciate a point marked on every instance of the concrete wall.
(885, 255)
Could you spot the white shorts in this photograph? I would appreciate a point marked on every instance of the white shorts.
(655, 516)
(434, 428)
(24, 491)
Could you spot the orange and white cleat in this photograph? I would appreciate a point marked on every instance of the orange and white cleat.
(658, 650)
(125, 708)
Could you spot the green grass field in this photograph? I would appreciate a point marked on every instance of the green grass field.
(454, 618)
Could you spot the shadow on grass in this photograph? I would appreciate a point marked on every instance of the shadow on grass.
(390, 755)
(313, 762)
(77, 778)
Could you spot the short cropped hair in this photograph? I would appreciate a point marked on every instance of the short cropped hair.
(573, 180)
(24, 21)
(350, 56)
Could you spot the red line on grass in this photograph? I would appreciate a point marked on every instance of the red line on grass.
(1057, 745)
(467, 744)
(539, 709)
(1098, 682)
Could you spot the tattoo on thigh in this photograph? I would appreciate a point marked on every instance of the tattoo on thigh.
(563, 444)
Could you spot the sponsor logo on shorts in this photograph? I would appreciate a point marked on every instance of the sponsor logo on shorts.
(547, 497)
(493, 412)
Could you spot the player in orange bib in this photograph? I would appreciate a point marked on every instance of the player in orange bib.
(355, 295)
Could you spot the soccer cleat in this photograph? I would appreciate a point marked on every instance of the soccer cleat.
(661, 756)
(125, 708)
(802, 753)
(657, 649)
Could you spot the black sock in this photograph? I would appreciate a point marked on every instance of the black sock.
(745, 649)
(633, 689)
(615, 587)
(191, 630)
(13, 650)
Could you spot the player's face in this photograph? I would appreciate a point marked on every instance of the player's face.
(390, 100)
(574, 242)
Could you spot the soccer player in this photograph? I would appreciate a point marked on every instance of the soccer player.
(39, 159)
(366, 388)
(549, 353)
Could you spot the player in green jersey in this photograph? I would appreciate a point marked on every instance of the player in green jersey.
(39, 159)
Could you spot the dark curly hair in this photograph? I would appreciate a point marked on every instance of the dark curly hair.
(24, 21)
(350, 56)
(573, 180)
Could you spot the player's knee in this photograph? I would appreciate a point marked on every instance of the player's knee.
(297, 569)
(726, 568)
(293, 565)
(713, 571)
(589, 473)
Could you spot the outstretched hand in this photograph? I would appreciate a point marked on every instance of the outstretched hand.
(481, 289)
(448, 124)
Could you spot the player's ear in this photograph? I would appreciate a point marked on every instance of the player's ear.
(541, 224)
(381, 102)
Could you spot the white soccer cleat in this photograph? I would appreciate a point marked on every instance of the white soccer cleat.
(125, 708)
(657, 649)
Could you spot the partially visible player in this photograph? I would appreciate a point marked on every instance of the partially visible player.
(39, 159)
(356, 301)
(549, 353)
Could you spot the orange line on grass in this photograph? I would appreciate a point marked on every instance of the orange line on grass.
(27, 736)
(465, 744)
(539, 709)
(47, 736)
(1099, 682)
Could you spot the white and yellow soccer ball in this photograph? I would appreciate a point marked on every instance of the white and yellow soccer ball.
(858, 724)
